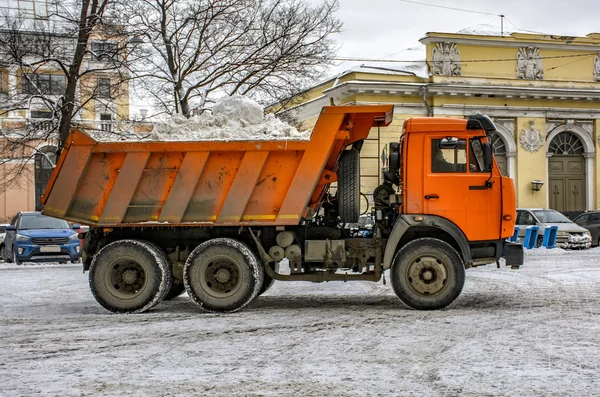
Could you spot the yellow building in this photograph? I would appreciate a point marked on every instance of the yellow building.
(102, 95)
(542, 92)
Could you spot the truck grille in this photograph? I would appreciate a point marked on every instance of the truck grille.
(49, 240)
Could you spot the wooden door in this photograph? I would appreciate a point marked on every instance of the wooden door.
(567, 182)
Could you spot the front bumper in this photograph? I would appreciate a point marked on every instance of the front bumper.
(574, 241)
(28, 252)
(513, 254)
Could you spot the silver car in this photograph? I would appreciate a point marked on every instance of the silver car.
(569, 236)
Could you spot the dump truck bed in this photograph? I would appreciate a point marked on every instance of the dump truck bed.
(127, 183)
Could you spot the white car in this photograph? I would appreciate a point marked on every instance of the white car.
(2, 234)
(569, 236)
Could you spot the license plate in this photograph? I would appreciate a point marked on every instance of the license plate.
(50, 248)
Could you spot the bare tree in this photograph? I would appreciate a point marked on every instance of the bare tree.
(55, 65)
(269, 49)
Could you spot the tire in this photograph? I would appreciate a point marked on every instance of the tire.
(539, 241)
(167, 282)
(348, 193)
(427, 274)
(222, 275)
(176, 289)
(3, 253)
(14, 258)
(6, 258)
(129, 276)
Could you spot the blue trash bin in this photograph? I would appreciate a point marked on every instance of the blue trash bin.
(530, 239)
(550, 237)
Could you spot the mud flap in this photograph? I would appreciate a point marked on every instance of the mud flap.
(513, 254)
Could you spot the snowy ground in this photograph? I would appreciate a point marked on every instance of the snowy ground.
(531, 332)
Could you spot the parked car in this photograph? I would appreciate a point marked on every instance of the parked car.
(33, 237)
(569, 235)
(590, 221)
(2, 234)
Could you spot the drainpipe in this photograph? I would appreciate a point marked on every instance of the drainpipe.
(424, 99)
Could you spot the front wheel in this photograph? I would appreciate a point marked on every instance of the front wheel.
(222, 275)
(129, 276)
(427, 274)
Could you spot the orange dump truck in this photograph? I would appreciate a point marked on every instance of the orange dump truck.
(219, 219)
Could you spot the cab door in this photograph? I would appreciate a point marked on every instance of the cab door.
(457, 187)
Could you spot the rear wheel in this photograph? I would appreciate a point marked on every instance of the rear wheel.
(129, 276)
(2, 253)
(427, 274)
(222, 275)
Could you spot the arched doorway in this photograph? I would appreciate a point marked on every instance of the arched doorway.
(45, 159)
(567, 172)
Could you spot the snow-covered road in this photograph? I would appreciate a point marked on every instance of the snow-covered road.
(531, 332)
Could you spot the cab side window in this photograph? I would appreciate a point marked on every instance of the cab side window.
(594, 219)
(525, 218)
(582, 220)
(448, 160)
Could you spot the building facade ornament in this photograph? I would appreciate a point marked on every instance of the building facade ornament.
(446, 59)
(530, 139)
(529, 64)
(508, 124)
(586, 126)
(597, 67)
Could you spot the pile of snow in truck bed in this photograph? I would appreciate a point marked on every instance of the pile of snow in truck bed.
(234, 118)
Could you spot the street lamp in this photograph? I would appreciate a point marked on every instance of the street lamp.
(536, 185)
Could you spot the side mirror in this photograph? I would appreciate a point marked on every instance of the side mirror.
(487, 156)
(10, 227)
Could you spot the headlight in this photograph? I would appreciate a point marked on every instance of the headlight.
(74, 236)
(562, 234)
(20, 237)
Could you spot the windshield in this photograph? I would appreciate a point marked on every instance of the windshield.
(549, 216)
(39, 221)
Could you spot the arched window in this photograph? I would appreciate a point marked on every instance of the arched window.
(45, 159)
(566, 143)
(499, 150)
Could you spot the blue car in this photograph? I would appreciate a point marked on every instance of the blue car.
(33, 237)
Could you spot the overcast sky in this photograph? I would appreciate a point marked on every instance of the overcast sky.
(382, 29)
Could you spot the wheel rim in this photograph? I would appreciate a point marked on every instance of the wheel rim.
(427, 275)
(126, 278)
(220, 276)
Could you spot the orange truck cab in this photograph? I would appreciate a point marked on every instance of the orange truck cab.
(224, 220)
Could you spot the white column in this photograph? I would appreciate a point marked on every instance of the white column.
(589, 180)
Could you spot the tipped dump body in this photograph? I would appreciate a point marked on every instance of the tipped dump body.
(213, 183)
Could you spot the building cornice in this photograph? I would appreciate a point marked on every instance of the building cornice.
(488, 91)
(516, 111)
(373, 87)
(519, 40)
